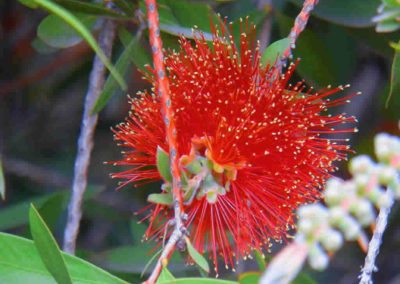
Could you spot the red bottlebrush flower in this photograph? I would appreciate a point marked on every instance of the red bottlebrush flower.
(252, 147)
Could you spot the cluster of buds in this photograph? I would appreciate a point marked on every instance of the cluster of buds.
(351, 205)
(388, 18)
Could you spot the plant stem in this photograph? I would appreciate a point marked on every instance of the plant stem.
(171, 133)
(85, 141)
(299, 25)
(376, 241)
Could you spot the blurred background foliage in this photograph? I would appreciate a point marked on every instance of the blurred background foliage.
(44, 74)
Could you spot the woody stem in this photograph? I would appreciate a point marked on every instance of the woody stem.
(171, 133)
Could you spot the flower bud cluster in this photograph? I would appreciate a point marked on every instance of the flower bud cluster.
(352, 204)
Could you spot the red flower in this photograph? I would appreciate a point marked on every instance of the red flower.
(253, 147)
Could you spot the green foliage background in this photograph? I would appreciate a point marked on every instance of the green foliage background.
(43, 80)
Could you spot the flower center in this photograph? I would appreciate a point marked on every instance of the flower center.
(201, 176)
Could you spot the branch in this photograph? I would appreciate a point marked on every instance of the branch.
(166, 110)
(85, 141)
(376, 241)
(299, 25)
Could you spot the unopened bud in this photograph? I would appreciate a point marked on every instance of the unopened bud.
(351, 228)
(331, 239)
(361, 164)
(386, 174)
(364, 212)
(317, 258)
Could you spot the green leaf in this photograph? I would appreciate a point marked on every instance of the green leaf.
(126, 6)
(190, 14)
(199, 281)
(249, 277)
(72, 20)
(260, 260)
(29, 3)
(55, 32)
(160, 198)
(48, 248)
(139, 55)
(303, 278)
(165, 276)
(16, 215)
(134, 52)
(273, 51)
(394, 77)
(91, 9)
(20, 263)
(163, 164)
(197, 257)
(178, 17)
(2, 183)
(133, 259)
(317, 65)
(346, 12)
(52, 208)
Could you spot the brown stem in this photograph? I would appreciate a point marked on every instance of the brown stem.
(85, 141)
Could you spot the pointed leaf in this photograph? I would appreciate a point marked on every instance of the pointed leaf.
(90, 8)
(273, 51)
(72, 20)
(139, 55)
(249, 277)
(394, 77)
(48, 248)
(55, 32)
(196, 256)
(165, 276)
(163, 164)
(2, 183)
(303, 278)
(161, 198)
(260, 260)
(20, 263)
(134, 52)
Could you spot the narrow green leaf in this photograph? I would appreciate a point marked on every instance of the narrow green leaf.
(2, 183)
(84, 32)
(125, 6)
(48, 248)
(163, 164)
(273, 51)
(55, 32)
(16, 215)
(165, 276)
(196, 256)
(303, 278)
(160, 198)
(199, 281)
(260, 260)
(29, 3)
(134, 51)
(20, 263)
(250, 277)
(139, 55)
(91, 8)
(52, 208)
(394, 77)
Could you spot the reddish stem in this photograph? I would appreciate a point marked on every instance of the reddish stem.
(167, 112)
(299, 25)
